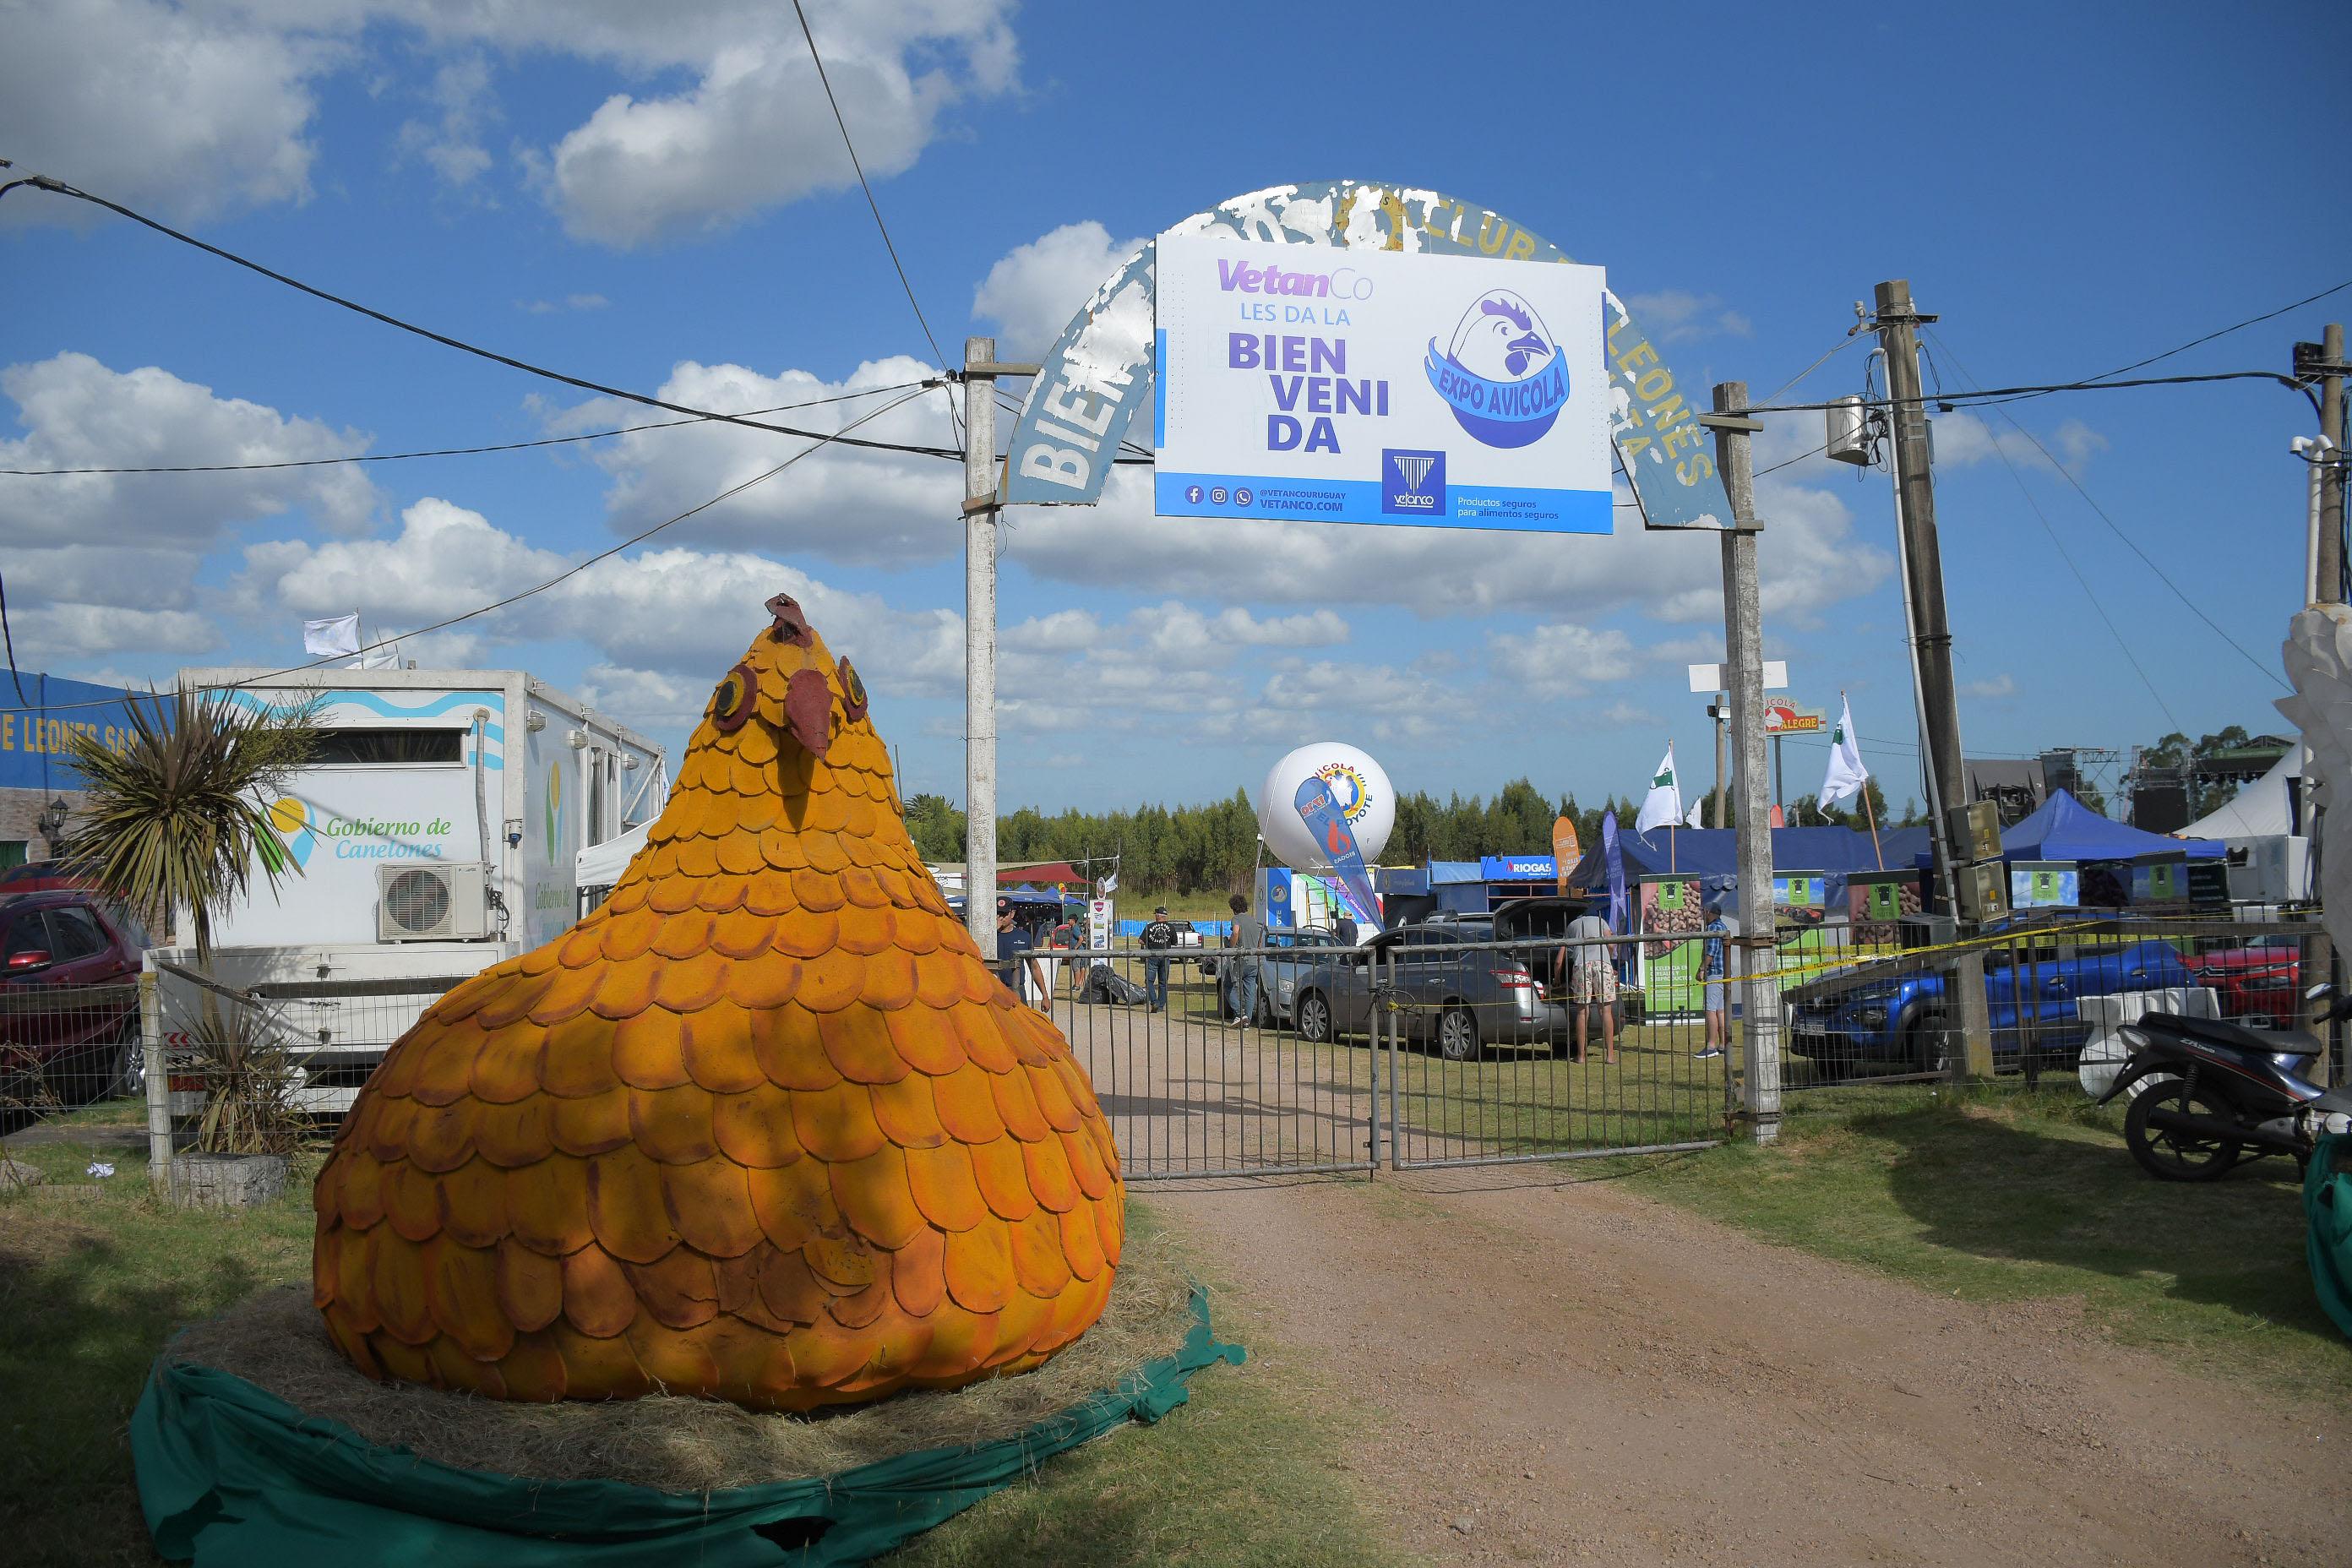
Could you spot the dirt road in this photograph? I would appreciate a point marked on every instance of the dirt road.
(1558, 1370)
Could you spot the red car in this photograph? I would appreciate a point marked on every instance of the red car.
(2259, 984)
(69, 999)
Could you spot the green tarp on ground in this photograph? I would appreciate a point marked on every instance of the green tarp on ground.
(2327, 1201)
(230, 1475)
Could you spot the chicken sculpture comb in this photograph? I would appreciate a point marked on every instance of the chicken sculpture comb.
(762, 1127)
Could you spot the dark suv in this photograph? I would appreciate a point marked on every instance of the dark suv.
(68, 998)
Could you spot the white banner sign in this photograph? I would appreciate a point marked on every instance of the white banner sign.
(1098, 926)
(1379, 386)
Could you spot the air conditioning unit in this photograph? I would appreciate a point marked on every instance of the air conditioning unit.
(432, 901)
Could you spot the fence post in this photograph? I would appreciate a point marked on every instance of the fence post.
(158, 1076)
(1384, 1040)
(1974, 1058)
(1373, 1050)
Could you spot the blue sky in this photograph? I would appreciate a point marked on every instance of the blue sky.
(660, 200)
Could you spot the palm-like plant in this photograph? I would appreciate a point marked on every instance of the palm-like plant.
(177, 818)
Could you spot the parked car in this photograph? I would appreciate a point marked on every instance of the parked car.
(2259, 985)
(1463, 999)
(68, 998)
(42, 876)
(1277, 975)
(1894, 1012)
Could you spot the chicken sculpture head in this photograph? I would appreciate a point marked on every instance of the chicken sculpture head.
(762, 1127)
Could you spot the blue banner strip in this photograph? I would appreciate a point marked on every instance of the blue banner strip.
(1507, 508)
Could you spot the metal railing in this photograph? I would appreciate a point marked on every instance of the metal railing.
(2040, 997)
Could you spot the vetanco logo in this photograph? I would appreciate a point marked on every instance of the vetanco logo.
(1412, 483)
(1241, 278)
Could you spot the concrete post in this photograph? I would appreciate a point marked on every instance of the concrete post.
(1743, 638)
(979, 514)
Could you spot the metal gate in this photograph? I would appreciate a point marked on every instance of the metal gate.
(1429, 1047)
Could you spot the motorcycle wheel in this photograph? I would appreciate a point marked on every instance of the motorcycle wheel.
(2170, 1155)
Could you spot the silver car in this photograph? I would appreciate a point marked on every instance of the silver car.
(1464, 999)
(1294, 952)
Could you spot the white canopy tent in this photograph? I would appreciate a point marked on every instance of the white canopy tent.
(2263, 809)
(2270, 859)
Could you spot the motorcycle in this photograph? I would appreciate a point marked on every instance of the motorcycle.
(2208, 1095)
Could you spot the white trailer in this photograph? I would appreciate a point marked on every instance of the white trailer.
(430, 843)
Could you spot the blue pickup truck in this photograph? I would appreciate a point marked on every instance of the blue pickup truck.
(1894, 1013)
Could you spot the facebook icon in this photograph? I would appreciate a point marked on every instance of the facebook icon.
(1192, 495)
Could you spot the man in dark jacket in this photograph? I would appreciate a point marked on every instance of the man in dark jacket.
(1158, 936)
(1240, 976)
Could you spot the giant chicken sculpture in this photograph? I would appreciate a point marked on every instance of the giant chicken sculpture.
(762, 1127)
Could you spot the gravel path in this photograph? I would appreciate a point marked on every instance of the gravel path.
(1562, 1371)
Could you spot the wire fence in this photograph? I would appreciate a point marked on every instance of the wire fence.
(1430, 1045)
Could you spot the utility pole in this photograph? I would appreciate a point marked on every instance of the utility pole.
(2331, 473)
(1743, 638)
(979, 514)
(1719, 711)
(1922, 561)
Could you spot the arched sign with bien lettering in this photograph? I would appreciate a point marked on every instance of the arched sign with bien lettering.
(1099, 374)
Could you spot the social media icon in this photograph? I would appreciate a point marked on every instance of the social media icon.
(1193, 495)
(1217, 496)
(1241, 498)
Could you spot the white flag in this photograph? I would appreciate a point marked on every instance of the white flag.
(337, 636)
(1663, 807)
(1696, 819)
(1846, 774)
(1110, 884)
(385, 658)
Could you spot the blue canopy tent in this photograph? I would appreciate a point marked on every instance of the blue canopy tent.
(1711, 856)
(2063, 828)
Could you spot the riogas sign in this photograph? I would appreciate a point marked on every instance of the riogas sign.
(1380, 387)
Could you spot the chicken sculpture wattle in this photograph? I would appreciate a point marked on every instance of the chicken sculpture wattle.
(762, 1127)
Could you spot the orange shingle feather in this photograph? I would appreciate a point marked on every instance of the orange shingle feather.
(761, 1128)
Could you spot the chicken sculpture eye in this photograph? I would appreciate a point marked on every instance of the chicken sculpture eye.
(733, 703)
(853, 693)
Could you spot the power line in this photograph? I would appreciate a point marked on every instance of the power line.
(58, 187)
(2133, 545)
(570, 572)
(1835, 349)
(2225, 332)
(1995, 394)
(875, 208)
(451, 451)
(9, 637)
(2097, 608)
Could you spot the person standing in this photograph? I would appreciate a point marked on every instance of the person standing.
(1247, 935)
(1592, 982)
(1714, 972)
(1064, 941)
(1343, 929)
(1158, 936)
(1017, 950)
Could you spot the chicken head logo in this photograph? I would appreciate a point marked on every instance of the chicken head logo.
(1501, 374)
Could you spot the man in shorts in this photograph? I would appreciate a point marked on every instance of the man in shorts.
(1591, 981)
(1713, 973)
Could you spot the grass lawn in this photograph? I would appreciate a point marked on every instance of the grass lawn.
(1999, 1194)
(96, 1274)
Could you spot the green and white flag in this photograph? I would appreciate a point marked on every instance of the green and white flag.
(1663, 807)
(1846, 774)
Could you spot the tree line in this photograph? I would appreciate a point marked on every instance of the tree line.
(1214, 847)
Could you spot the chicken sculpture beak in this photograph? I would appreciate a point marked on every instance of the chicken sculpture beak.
(808, 701)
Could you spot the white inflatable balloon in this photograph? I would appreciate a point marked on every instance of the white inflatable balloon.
(1362, 788)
